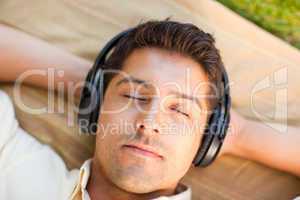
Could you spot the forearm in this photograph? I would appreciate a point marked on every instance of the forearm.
(259, 142)
(21, 52)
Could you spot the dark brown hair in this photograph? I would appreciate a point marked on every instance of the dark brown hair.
(183, 38)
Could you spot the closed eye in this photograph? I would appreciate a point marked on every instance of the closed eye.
(177, 110)
(134, 97)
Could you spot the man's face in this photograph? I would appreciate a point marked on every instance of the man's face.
(151, 121)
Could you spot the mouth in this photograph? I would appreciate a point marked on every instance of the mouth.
(143, 150)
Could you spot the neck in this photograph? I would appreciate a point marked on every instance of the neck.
(99, 187)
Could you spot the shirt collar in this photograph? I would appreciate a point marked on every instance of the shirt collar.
(80, 192)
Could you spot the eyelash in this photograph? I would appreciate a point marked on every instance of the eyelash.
(146, 100)
(183, 113)
(137, 98)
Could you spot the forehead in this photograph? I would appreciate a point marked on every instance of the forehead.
(167, 70)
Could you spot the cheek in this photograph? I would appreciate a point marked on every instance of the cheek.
(186, 139)
(114, 126)
(182, 152)
(116, 116)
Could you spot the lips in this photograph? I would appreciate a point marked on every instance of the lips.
(144, 150)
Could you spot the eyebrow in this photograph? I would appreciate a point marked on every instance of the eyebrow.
(147, 84)
(185, 96)
(133, 80)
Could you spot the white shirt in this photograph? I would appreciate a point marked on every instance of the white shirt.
(31, 170)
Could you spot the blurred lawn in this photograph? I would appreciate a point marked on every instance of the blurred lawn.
(280, 17)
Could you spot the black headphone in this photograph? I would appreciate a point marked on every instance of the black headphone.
(94, 89)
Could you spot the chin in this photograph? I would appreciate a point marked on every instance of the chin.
(136, 180)
(138, 186)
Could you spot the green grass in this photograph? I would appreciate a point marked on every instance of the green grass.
(280, 17)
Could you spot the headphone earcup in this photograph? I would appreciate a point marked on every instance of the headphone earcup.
(90, 102)
(83, 117)
(201, 158)
(92, 92)
(97, 99)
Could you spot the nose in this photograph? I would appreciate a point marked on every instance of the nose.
(148, 122)
(147, 126)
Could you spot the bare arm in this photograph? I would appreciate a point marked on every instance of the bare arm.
(259, 142)
(21, 52)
